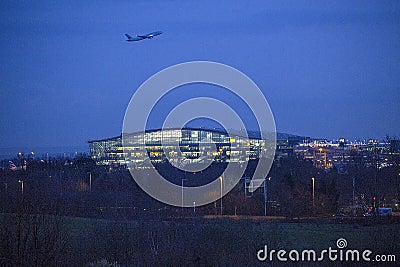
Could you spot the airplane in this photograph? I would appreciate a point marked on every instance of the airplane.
(140, 37)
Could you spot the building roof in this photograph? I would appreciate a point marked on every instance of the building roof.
(251, 133)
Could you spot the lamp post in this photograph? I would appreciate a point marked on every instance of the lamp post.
(354, 198)
(265, 194)
(397, 184)
(183, 179)
(90, 181)
(313, 191)
(22, 186)
(220, 179)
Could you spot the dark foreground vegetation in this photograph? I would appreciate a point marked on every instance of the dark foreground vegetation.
(74, 213)
(44, 240)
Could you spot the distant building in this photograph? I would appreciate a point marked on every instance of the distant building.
(296, 140)
(342, 143)
(193, 143)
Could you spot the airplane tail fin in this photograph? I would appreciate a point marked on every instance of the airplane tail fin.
(128, 36)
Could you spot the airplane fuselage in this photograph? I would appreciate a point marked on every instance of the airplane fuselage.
(142, 36)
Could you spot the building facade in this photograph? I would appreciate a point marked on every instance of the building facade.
(171, 144)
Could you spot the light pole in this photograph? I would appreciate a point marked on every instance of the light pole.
(22, 186)
(183, 179)
(220, 179)
(397, 184)
(90, 181)
(354, 198)
(313, 191)
(265, 195)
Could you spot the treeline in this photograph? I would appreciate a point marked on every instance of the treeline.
(79, 187)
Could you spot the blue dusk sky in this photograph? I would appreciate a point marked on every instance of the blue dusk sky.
(327, 68)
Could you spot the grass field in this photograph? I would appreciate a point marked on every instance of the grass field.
(211, 241)
(216, 242)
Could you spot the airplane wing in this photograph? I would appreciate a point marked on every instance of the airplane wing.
(133, 39)
(150, 35)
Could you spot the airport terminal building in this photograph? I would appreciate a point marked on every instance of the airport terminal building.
(192, 145)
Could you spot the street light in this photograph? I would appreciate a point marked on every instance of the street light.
(313, 191)
(354, 198)
(220, 179)
(22, 186)
(265, 194)
(183, 179)
(90, 181)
